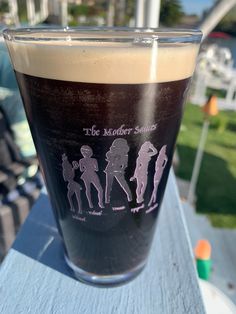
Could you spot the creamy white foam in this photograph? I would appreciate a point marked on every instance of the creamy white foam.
(105, 63)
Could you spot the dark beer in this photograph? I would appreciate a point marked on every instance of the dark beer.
(104, 121)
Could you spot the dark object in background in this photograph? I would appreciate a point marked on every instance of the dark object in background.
(9, 153)
(11, 104)
(20, 180)
(12, 164)
(18, 189)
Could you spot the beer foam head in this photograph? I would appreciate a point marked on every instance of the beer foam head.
(102, 61)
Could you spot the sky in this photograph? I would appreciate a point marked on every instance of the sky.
(196, 6)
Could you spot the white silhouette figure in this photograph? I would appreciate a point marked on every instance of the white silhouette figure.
(73, 187)
(117, 161)
(145, 154)
(159, 168)
(89, 166)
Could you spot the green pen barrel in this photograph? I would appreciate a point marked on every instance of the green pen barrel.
(204, 268)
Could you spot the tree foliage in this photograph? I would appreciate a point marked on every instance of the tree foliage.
(228, 23)
(171, 12)
(4, 7)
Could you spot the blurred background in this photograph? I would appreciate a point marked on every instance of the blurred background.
(205, 159)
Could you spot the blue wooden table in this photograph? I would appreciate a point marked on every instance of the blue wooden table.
(35, 279)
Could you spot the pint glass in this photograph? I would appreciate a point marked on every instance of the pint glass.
(104, 107)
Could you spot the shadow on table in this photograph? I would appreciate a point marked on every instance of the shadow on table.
(39, 238)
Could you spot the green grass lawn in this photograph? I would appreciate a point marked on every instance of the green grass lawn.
(216, 189)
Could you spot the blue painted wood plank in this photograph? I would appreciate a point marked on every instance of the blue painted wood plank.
(35, 279)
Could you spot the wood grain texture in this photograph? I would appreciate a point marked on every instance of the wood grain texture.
(35, 279)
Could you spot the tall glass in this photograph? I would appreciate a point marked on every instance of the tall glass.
(104, 107)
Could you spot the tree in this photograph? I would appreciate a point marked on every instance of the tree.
(171, 12)
(228, 23)
(4, 7)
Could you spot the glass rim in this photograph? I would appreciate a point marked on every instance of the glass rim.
(162, 35)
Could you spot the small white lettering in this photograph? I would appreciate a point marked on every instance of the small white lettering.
(79, 218)
(136, 209)
(151, 208)
(91, 131)
(120, 131)
(145, 129)
(95, 213)
(118, 208)
(107, 132)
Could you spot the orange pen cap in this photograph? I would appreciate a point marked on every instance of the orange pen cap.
(203, 250)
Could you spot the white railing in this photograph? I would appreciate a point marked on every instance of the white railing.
(215, 71)
(33, 16)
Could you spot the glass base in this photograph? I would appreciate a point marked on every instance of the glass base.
(106, 280)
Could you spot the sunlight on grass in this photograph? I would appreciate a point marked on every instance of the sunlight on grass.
(221, 221)
(216, 189)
